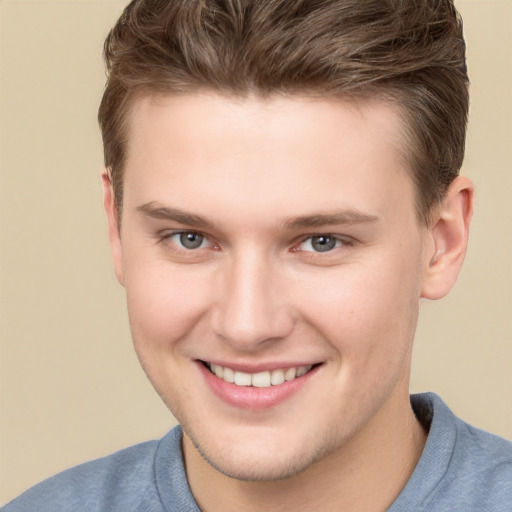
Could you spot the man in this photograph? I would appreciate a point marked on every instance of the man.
(282, 189)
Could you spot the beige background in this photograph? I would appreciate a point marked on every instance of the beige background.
(70, 386)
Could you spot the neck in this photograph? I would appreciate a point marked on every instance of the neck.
(367, 473)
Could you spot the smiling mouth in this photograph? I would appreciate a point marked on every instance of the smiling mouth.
(261, 379)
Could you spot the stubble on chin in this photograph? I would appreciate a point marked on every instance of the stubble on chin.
(274, 467)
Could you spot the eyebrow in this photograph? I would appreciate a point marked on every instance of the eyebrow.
(336, 218)
(157, 211)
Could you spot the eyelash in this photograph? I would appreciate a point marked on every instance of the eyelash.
(166, 239)
(339, 241)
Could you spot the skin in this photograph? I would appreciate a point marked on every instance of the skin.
(256, 179)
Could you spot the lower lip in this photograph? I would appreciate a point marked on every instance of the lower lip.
(253, 398)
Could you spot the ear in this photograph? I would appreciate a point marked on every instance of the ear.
(449, 233)
(114, 233)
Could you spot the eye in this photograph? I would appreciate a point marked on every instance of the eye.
(321, 243)
(189, 240)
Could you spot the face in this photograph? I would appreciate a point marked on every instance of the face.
(273, 265)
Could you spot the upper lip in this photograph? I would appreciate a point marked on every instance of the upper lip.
(259, 367)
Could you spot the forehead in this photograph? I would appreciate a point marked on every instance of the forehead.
(256, 153)
(323, 117)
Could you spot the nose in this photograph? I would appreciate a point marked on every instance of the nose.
(251, 307)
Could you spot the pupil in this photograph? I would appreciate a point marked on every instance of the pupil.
(323, 243)
(191, 240)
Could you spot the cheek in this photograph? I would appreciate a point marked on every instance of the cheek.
(366, 310)
(164, 302)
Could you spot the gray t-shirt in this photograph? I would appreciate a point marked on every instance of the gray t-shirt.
(462, 469)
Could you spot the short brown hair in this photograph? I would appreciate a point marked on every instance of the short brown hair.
(410, 52)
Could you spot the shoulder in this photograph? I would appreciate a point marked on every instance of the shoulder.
(469, 448)
(461, 467)
(119, 482)
(482, 466)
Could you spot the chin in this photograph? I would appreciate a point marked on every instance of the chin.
(263, 461)
(257, 470)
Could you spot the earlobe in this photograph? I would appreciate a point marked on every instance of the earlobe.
(449, 234)
(114, 234)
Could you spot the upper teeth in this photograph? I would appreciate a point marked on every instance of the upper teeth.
(261, 379)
